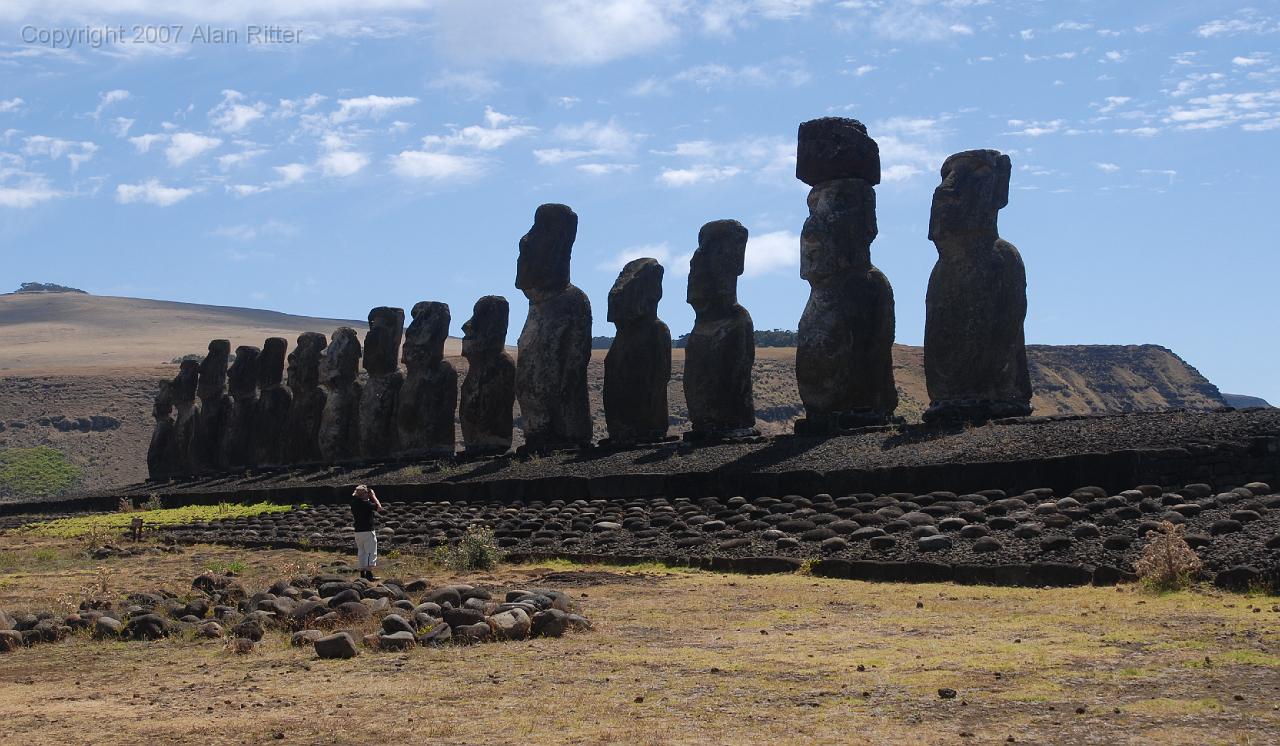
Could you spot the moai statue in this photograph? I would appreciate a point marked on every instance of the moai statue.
(215, 408)
(302, 428)
(382, 388)
(271, 418)
(339, 434)
(183, 392)
(237, 437)
(722, 347)
(844, 344)
(429, 397)
(555, 344)
(162, 454)
(489, 389)
(975, 358)
(637, 367)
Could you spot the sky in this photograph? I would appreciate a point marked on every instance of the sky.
(325, 157)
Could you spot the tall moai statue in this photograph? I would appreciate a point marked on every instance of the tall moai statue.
(489, 389)
(162, 453)
(215, 408)
(271, 417)
(975, 357)
(186, 415)
(555, 344)
(339, 434)
(382, 388)
(302, 428)
(237, 437)
(722, 348)
(637, 367)
(429, 397)
(844, 344)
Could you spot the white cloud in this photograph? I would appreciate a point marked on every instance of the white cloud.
(342, 162)
(420, 164)
(471, 83)
(369, 106)
(1115, 55)
(1035, 128)
(702, 174)
(10, 105)
(863, 70)
(107, 98)
(898, 172)
(916, 20)
(769, 252)
(1222, 109)
(1113, 103)
(603, 169)
(245, 233)
(716, 76)
(1250, 61)
(291, 107)
(909, 146)
(675, 263)
(1139, 131)
(291, 173)
(31, 191)
(230, 115)
(245, 190)
(233, 160)
(1107, 168)
(143, 143)
(120, 126)
(184, 146)
(570, 32)
(53, 148)
(1246, 22)
(498, 130)
(151, 192)
(592, 140)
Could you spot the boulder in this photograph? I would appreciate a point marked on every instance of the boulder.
(338, 645)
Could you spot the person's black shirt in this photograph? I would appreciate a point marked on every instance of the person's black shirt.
(362, 511)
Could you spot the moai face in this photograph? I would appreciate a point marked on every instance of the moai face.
(636, 292)
(485, 333)
(837, 235)
(213, 369)
(542, 269)
(164, 401)
(382, 343)
(304, 361)
(424, 341)
(341, 358)
(975, 185)
(186, 382)
(243, 376)
(271, 362)
(716, 265)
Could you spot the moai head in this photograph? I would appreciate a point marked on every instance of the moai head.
(542, 270)
(975, 185)
(833, 148)
(186, 382)
(304, 361)
(485, 333)
(837, 235)
(716, 266)
(164, 401)
(424, 340)
(243, 376)
(213, 369)
(382, 343)
(271, 362)
(636, 292)
(341, 359)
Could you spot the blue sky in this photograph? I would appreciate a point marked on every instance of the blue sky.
(397, 151)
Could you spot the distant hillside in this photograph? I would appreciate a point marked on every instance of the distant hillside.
(78, 372)
(1242, 401)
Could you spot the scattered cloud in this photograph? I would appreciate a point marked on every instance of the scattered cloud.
(29, 191)
(1035, 128)
(472, 84)
(106, 99)
(674, 262)
(120, 126)
(1258, 58)
(151, 192)
(1108, 168)
(421, 164)
(861, 70)
(235, 160)
(246, 233)
(53, 148)
(1111, 103)
(184, 146)
(770, 252)
(231, 115)
(592, 140)
(372, 107)
(710, 162)
(1247, 21)
(10, 105)
(703, 174)
(498, 130)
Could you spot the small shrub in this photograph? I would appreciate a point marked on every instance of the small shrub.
(1167, 562)
(477, 550)
(153, 502)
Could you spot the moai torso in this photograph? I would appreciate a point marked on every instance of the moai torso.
(382, 388)
(215, 408)
(974, 350)
(844, 355)
(186, 414)
(339, 434)
(429, 397)
(275, 402)
(485, 408)
(637, 367)
(555, 344)
(162, 453)
(237, 436)
(306, 410)
(721, 348)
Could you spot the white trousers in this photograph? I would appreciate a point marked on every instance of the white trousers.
(367, 549)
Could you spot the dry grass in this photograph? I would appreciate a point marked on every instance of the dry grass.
(677, 657)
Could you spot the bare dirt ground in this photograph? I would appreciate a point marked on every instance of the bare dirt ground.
(676, 657)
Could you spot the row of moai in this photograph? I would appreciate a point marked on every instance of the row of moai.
(975, 357)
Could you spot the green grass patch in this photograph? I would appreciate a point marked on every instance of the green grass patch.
(36, 472)
(72, 528)
(1249, 658)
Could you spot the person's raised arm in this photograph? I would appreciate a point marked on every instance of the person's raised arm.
(374, 496)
